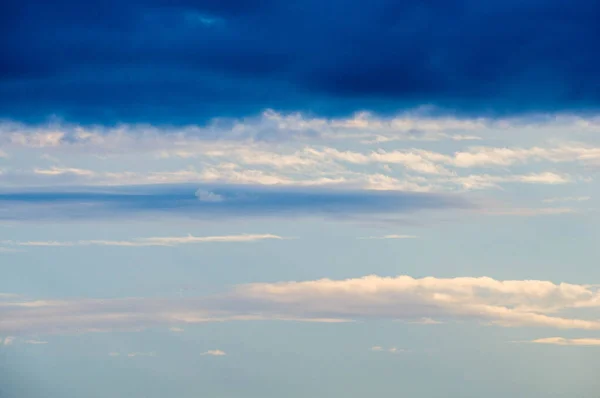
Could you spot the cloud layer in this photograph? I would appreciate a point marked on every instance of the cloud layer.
(182, 200)
(185, 60)
(516, 303)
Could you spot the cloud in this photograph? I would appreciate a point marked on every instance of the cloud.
(114, 354)
(240, 200)
(146, 242)
(393, 236)
(205, 196)
(587, 342)
(238, 69)
(9, 340)
(141, 354)
(176, 330)
(426, 321)
(214, 353)
(391, 350)
(36, 342)
(529, 212)
(567, 199)
(512, 303)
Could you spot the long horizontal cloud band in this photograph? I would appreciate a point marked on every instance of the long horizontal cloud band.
(209, 201)
(525, 303)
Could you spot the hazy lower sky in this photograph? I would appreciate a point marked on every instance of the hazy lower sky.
(298, 199)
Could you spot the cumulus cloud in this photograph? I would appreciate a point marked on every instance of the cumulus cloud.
(512, 303)
(214, 353)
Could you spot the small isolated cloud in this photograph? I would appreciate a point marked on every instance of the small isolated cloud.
(35, 342)
(141, 354)
(9, 340)
(393, 236)
(176, 330)
(207, 196)
(571, 342)
(391, 350)
(214, 353)
(114, 354)
(395, 350)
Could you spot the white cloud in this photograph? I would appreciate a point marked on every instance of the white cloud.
(176, 330)
(214, 353)
(425, 321)
(9, 340)
(144, 242)
(392, 236)
(512, 303)
(391, 350)
(571, 342)
(35, 342)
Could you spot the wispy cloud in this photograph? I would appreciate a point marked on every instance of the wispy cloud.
(35, 342)
(393, 236)
(176, 330)
(568, 342)
(214, 353)
(425, 321)
(567, 199)
(144, 242)
(391, 350)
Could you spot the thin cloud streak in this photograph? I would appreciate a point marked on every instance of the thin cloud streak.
(146, 242)
(392, 236)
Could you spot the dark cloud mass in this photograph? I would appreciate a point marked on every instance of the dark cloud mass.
(190, 60)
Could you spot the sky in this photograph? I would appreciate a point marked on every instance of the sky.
(295, 198)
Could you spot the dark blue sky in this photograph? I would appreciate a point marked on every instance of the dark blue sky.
(190, 60)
